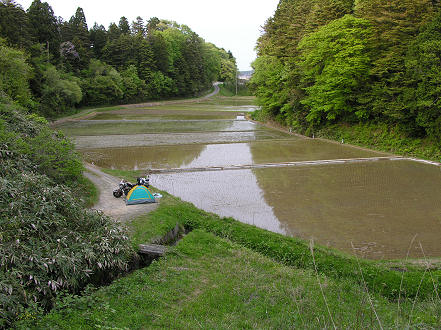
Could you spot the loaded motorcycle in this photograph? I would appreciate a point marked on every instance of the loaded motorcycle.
(123, 188)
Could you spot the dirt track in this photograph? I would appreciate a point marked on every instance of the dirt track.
(111, 206)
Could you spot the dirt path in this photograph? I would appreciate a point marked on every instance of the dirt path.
(111, 206)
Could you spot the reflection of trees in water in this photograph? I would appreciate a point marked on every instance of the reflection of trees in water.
(384, 203)
(129, 158)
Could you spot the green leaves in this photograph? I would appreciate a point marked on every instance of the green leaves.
(15, 74)
(48, 241)
(335, 62)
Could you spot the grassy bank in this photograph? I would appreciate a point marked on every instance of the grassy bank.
(376, 136)
(212, 279)
(384, 138)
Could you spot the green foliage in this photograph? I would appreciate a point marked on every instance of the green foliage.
(48, 241)
(384, 137)
(15, 74)
(423, 65)
(221, 285)
(134, 87)
(102, 83)
(395, 25)
(160, 59)
(59, 92)
(14, 25)
(335, 63)
(44, 26)
(316, 66)
(159, 85)
(268, 83)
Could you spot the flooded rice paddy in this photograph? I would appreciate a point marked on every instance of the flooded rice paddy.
(304, 187)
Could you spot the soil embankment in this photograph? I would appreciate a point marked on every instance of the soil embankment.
(109, 205)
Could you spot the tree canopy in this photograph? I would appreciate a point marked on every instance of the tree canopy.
(326, 61)
(145, 59)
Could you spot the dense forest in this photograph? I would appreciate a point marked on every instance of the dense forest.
(352, 62)
(50, 65)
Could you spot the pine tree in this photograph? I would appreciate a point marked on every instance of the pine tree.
(396, 23)
(124, 25)
(138, 27)
(44, 26)
(98, 39)
(14, 25)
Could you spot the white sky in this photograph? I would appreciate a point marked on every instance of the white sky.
(230, 24)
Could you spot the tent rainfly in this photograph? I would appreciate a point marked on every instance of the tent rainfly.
(139, 195)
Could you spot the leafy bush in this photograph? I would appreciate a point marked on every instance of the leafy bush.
(59, 93)
(15, 74)
(48, 241)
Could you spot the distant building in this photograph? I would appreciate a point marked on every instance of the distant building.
(245, 75)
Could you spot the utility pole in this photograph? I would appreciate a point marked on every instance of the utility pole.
(237, 73)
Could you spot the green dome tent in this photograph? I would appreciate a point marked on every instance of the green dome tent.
(139, 195)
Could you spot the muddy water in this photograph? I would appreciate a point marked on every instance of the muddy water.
(377, 206)
(196, 155)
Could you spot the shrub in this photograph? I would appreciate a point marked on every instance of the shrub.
(48, 241)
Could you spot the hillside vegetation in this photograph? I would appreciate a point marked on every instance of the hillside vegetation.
(70, 65)
(346, 63)
(50, 243)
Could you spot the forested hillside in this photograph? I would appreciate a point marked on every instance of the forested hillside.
(363, 62)
(70, 65)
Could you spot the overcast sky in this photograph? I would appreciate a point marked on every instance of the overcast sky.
(231, 24)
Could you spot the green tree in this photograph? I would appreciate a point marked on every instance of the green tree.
(396, 23)
(14, 25)
(138, 27)
(98, 39)
(124, 25)
(152, 25)
(159, 47)
(59, 93)
(336, 62)
(423, 92)
(101, 84)
(76, 32)
(134, 87)
(15, 73)
(113, 32)
(44, 26)
(269, 85)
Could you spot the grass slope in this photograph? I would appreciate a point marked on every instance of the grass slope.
(210, 282)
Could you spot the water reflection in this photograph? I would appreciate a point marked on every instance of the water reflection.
(377, 206)
(227, 193)
(172, 156)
